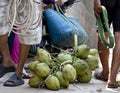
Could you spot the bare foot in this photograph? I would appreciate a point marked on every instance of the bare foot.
(112, 83)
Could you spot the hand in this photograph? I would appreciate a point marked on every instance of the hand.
(49, 1)
(66, 4)
(69, 2)
(97, 7)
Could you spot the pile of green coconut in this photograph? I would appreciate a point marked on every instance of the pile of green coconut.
(56, 72)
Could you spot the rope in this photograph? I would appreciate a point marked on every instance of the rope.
(22, 13)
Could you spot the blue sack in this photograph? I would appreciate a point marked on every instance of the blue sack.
(61, 29)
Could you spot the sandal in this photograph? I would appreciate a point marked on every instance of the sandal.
(27, 76)
(113, 85)
(4, 70)
(98, 76)
(14, 80)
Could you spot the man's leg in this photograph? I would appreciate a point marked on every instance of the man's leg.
(24, 49)
(16, 79)
(7, 61)
(116, 60)
(104, 58)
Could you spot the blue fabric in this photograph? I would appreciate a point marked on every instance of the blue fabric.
(61, 31)
(10, 41)
(33, 49)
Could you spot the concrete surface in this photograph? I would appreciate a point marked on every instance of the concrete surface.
(95, 86)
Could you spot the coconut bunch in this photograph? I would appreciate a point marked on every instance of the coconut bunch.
(58, 72)
(50, 72)
(85, 62)
(84, 59)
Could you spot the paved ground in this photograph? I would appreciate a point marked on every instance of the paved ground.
(95, 86)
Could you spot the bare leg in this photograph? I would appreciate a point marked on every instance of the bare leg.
(104, 58)
(7, 61)
(116, 60)
(24, 49)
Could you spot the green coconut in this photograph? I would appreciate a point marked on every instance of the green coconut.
(63, 82)
(81, 66)
(69, 72)
(85, 78)
(31, 65)
(44, 56)
(35, 81)
(82, 51)
(42, 70)
(52, 83)
(92, 61)
(93, 52)
(64, 57)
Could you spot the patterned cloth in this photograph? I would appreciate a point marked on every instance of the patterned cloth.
(4, 28)
(32, 37)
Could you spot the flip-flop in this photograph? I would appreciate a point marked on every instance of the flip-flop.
(27, 76)
(98, 76)
(113, 85)
(4, 70)
(14, 80)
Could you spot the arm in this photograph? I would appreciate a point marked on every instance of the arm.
(97, 7)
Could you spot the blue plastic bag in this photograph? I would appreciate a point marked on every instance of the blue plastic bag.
(61, 29)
